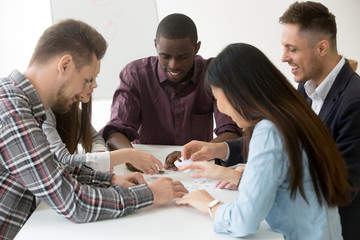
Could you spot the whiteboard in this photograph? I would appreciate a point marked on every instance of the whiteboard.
(129, 27)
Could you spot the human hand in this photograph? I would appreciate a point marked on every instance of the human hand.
(171, 158)
(198, 199)
(165, 189)
(209, 170)
(204, 169)
(203, 151)
(137, 160)
(128, 180)
(228, 185)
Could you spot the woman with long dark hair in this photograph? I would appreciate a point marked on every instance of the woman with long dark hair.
(295, 177)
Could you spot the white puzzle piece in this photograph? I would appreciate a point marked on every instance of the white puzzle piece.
(183, 162)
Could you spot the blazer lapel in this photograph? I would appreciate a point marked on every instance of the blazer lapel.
(336, 89)
(301, 90)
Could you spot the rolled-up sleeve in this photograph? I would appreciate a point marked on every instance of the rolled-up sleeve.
(224, 123)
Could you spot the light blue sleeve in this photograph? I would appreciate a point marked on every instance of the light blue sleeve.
(265, 171)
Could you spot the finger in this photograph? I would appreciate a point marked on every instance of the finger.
(158, 164)
(169, 162)
(151, 167)
(180, 189)
(186, 151)
(165, 179)
(186, 167)
(183, 168)
(169, 165)
(221, 184)
(171, 159)
(197, 156)
(230, 186)
(180, 202)
(183, 200)
(153, 171)
(178, 194)
(145, 171)
(196, 175)
(170, 155)
(192, 165)
(128, 183)
(141, 180)
(133, 180)
(177, 183)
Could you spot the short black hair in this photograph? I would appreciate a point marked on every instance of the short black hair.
(177, 26)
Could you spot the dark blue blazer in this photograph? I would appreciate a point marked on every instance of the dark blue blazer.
(341, 114)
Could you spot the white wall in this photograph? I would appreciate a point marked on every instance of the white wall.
(219, 23)
(21, 24)
(127, 25)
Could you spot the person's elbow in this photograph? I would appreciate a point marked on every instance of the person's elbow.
(235, 225)
(236, 230)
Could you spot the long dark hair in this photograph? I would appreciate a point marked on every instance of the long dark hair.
(258, 90)
(75, 127)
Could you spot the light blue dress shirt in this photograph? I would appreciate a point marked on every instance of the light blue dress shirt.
(264, 194)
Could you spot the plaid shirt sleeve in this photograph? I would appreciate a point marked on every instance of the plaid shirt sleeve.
(28, 168)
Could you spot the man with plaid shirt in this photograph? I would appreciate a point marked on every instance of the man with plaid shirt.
(65, 59)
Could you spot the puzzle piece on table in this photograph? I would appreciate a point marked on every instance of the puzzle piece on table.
(200, 183)
(183, 162)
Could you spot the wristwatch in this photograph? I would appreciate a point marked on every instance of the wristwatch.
(212, 204)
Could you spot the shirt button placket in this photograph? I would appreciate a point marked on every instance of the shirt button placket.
(178, 121)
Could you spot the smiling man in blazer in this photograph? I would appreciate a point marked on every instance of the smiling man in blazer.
(331, 87)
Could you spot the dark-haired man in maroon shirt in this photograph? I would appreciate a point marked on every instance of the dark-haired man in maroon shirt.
(163, 100)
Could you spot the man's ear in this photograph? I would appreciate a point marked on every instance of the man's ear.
(322, 47)
(64, 63)
(155, 43)
(197, 47)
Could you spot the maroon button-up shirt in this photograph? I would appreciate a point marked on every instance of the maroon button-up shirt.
(150, 109)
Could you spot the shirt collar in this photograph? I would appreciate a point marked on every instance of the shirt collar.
(163, 78)
(33, 98)
(323, 89)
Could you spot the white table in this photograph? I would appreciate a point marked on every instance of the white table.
(148, 223)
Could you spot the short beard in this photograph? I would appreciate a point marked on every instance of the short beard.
(61, 103)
